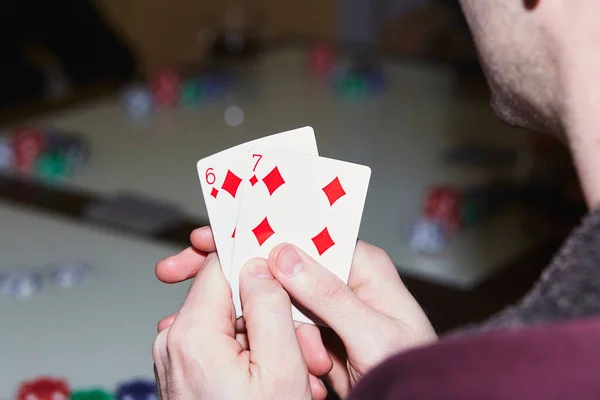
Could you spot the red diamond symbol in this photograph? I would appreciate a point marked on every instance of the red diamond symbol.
(214, 192)
(231, 183)
(263, 231)
(233, 234)
(253, 180)
(334, 191)
(323, 241)
(273, 180)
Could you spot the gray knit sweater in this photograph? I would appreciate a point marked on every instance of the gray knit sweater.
(569, 288)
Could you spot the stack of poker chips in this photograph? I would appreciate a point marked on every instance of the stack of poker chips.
(22, 283)
(45, 153)
(360, 79)
(447, 210)
(45, 387)
(166, 90)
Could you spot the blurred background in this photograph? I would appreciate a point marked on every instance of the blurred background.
(107, 105)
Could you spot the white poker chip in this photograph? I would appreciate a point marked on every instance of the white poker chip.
(428, 237)
(70, 273)
(21, 284)
(6, 153)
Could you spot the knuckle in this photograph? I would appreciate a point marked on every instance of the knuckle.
(267, 301)
(178, 342)
(369, 256)
(157, 346)
(329, 290)
(380, 256)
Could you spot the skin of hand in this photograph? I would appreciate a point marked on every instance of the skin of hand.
(373, 316)
(199, 356)
(369, 319)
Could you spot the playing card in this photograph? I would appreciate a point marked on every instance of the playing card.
(315, 203)
(222, 174)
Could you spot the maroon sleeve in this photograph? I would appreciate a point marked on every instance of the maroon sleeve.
(549, 362)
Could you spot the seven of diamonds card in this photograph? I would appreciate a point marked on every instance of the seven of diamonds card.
(315, 203)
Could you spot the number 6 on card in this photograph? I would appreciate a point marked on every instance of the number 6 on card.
(222, 176)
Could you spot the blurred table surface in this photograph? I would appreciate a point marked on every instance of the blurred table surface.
(95, 335)
(400, 134)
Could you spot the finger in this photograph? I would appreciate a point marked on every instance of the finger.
(317, 388)
(206, 314)
(203, 240)
(242, 339)
(313, 350)
(373, 270)
(180, 267)
(269, 324)
(315, 354)
(321, 292)
(166, 322)
(374, 274)
(338, 378)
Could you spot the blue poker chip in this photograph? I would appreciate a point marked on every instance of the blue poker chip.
(137, 389)
(20, 284)
(70, 273)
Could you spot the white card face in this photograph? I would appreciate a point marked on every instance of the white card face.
(312, 202)
(221, 177)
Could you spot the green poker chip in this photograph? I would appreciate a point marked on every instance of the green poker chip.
(191, 93)
(95, 394)
(51, 166)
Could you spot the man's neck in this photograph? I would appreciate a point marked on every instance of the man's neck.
(583, 132)
(580, 115)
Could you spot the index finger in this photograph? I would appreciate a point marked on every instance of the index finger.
(187, 263)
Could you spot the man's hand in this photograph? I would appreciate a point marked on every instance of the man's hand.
(199, 357)
(374, 316)
(191, 261)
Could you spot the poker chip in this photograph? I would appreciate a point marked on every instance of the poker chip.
(137, 389)
(6, 153)
(94, 394)
(20, 284)
(70, 273)
(44, 388)
(138, 101)
(427, 236)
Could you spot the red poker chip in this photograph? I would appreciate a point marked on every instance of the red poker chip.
(44, 388)
(27, 143)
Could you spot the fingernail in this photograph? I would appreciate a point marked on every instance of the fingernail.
(259, 268)
(289, 261)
